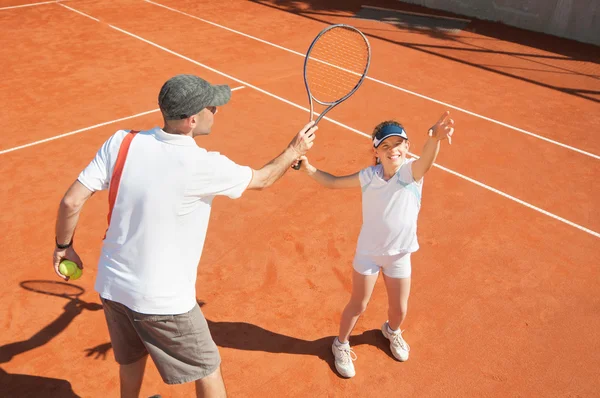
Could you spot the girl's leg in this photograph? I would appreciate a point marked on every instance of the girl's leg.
(362, 288)
(398, 290)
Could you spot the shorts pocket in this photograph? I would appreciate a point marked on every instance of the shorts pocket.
(166, 325)
(192, 323)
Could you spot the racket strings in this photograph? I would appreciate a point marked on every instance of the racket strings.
(333, 80)
(336, 64)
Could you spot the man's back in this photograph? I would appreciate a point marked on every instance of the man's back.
(160, 216)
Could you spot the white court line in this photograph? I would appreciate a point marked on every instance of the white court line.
(28, 5)
(391, 85)
(74, 132)
(2, 152)
(519, 201)
(489, 188)
(79, 12)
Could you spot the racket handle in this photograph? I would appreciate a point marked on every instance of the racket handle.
(297, 167)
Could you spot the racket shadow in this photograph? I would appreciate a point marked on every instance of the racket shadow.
(72, 309)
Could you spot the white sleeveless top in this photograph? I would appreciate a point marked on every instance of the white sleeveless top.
(390, 210)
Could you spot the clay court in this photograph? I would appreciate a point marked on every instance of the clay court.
(505, 290)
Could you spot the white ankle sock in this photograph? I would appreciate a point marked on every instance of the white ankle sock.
(390, 329)
(338, 343)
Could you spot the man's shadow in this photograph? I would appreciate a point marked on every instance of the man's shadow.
(72, 309)
(22, 385)
(249, 337)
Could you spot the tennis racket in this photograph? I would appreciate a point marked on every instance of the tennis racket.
(335, 66)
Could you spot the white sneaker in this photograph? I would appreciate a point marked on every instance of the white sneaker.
(344, 355)
(398, 346)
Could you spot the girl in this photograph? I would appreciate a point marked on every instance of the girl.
(391, 199)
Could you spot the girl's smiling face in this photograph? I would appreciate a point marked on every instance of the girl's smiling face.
(392, 151)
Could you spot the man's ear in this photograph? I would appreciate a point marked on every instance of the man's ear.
(191, 121)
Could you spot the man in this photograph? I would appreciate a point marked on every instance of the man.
(161, 189)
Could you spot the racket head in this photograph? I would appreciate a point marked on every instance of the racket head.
(336, 64)
(53, 288)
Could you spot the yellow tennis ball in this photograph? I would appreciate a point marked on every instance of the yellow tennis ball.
(76, 274)
(67, 267)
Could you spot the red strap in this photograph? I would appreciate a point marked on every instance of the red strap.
(117, 172)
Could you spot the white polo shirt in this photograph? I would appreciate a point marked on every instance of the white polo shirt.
(390, 210)
(153, 245)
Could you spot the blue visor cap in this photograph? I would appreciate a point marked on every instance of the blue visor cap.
(390, 130)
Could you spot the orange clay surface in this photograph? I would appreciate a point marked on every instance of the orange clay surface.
(505, 299)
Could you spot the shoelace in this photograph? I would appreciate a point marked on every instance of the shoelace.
(399, 341)
(347, 354)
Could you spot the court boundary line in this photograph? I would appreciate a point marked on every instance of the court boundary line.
(79, 12)
(422, 96)
(29, 5)
(56, 137)
(469, 179)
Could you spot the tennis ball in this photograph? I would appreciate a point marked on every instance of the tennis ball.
(67, 267)
(76, 274)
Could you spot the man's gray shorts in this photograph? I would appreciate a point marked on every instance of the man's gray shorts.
(180, 345)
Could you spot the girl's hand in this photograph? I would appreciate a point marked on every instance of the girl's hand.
(443, 129)
(305, 166)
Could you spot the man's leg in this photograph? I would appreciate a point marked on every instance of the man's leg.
(130, 352)
(131, 377)
(182, 349)
(211, 386)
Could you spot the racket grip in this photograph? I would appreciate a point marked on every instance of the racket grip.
(297, 167)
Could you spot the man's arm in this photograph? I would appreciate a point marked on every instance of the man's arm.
(442, 130)
(68, 215)
(277, 167)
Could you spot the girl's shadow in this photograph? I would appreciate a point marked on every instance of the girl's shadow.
(245, 336)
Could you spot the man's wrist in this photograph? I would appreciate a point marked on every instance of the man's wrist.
(293, 152)
(63, 246)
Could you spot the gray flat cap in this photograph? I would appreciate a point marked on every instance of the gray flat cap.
(185, 95)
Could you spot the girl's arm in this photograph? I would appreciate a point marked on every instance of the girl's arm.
(442, 130)
(329, 180)
(428, 155)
